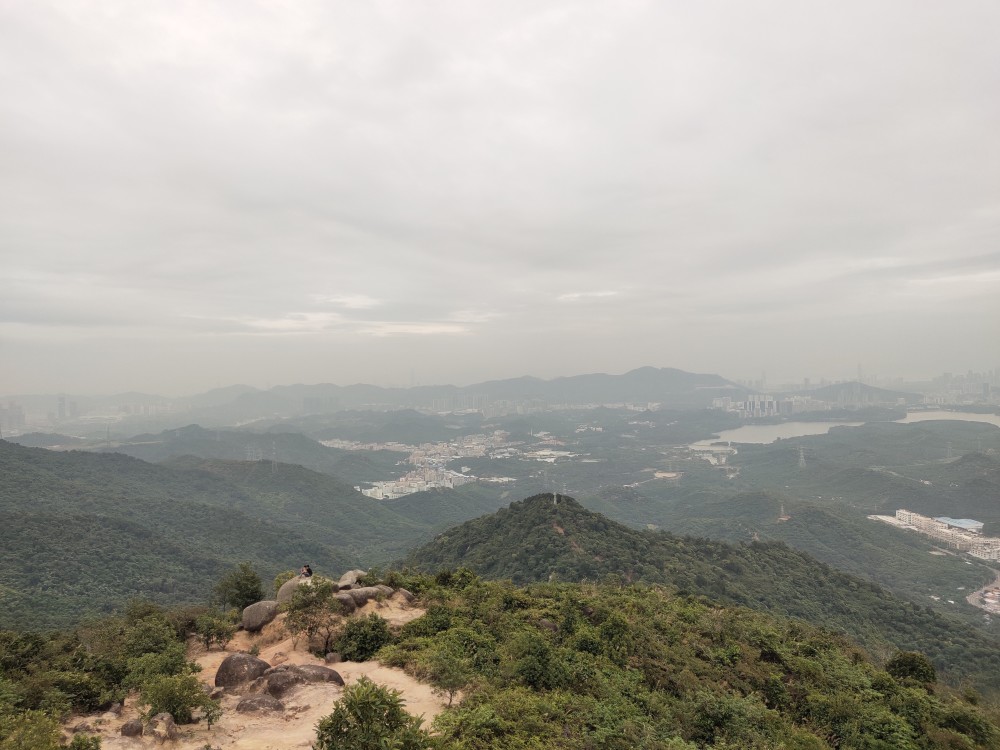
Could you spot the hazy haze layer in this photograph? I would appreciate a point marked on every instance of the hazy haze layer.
(199, 193)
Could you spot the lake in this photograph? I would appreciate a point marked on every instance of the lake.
(762, 434)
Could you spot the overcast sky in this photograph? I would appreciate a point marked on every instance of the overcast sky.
(201, 193)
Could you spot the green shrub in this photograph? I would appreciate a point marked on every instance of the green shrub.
(178, 695)
(911, 665)
(31, 730)
(362, 637)
(367, 717)
(85, 742)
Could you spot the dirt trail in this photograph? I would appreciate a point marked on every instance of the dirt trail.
(296, 726)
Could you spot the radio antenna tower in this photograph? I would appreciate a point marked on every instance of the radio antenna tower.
(274, 456)
(802, 458)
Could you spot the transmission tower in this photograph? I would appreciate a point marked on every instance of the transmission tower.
(802, 457)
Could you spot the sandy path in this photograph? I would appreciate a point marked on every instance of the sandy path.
(304, 707)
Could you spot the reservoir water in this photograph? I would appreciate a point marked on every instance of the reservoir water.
(762, 434)
(961, 416)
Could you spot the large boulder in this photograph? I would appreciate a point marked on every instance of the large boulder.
(346, 601)
(289, 586)
(350, 578)
(363, 594)
(239, 669)
(256, 616)
(406, 596)
(316, 673)
(255, 703)
(280, 684)
(132, 728)
(161, 728)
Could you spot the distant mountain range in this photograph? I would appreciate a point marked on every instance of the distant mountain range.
(240, 403)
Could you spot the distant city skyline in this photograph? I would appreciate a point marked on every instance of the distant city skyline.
(197, 195)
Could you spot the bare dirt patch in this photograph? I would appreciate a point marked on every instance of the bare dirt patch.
(295, 727)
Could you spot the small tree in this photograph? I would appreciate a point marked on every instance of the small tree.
(448, 670)
(370, 716)
(211, 629)
(177, 695)
(239, 588)
(314, 611)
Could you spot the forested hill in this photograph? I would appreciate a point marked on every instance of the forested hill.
(80, 533)
(548, 537)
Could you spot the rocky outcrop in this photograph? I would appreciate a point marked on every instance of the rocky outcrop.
(316, 673)
(256, 616)
(407, 596)
(132, 728)
(346, 601)
(363, 594)
(239, 669)
(350, 579)
(257, 703)
(161, 728)
(289, 586)
(279, 683)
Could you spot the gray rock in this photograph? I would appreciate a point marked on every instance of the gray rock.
(408, 596)
(84, 727)
(217, 693)
(289, 586)
(256, 616)
(132, 728)
(346, 601)
(350, 578)
(363, 594)
(280, 684)
(548, 625)
(116, 709)
(385, 590)
(254, 703)
(239, 669)
(333, 658)
(316, 673)
(161, 727)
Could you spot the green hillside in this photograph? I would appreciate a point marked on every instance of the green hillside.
(582, 667)
(81, 532)
(542, 539)
(284, 447)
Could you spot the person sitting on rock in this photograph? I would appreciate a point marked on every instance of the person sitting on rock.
(306, 571)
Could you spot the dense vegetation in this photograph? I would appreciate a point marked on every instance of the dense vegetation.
(544, 538)
(45, 677)
(588, 666)
(81, 533)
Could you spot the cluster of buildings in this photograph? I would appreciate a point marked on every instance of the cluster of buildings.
(12, 417)
(764, 405)
(962, 534)
(430, 464)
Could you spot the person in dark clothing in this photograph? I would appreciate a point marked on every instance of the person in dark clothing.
(306, 571)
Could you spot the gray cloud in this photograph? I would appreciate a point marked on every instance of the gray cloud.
(309, 191)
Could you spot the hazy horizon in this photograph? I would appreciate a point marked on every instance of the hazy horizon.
(205, 194)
